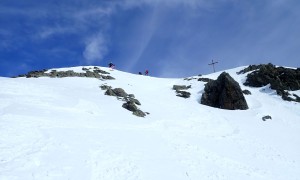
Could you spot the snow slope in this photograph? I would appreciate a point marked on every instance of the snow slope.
(66, 128)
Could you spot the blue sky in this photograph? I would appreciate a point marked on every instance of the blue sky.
(171, 38)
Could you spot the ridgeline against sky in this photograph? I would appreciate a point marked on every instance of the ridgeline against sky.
(171, 38)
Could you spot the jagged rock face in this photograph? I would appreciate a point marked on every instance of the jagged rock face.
(279, 78)
(224, 93)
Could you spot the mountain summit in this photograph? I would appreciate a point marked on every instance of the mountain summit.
(93, 123)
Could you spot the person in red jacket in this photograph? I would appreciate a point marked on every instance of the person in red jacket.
(146, 72)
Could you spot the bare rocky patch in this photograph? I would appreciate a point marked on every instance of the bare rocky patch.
(179, 89)
(94, 72)
(280, 79)
(131, 103)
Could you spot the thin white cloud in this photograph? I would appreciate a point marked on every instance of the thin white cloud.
(143, 32)
(47, 32)
(191, 3)
(95, 49)
(93, 12)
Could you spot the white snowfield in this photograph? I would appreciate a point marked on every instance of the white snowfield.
(67, 129)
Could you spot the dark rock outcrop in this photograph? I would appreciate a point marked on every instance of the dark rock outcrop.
(130, 101)
(179, 90)
(189, 79)
(266, 118)
(110, 92)
(133, 100)
(120, 92)
(183, 94)
(130, 106)
(250, 68)
(139, 113)
(35, 74)
(297, 98)
(133, 108)
(224, 93)
(205, 79)
(107, 77)
(105, 87)
(92, 74)
(181, 87)
(96, 73)
(246, 92)
(97, 70)
(280, 79)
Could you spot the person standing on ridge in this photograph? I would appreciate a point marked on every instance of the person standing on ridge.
(111, 65)
(146, 72)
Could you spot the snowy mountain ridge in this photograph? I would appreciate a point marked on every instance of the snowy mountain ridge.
(66, 128)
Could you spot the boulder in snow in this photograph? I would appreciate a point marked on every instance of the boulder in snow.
(224, 93)
(129, 105)
(180, 87)
(183, 94)
(266, 117)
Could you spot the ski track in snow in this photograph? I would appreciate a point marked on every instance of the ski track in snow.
(68, 129)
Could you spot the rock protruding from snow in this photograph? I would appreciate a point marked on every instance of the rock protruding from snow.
(246, 92)
(129, 105)
(266, 118)
(205, 79)
(181, 87)
(250, 68)
(179, 90)
(183, 94)
(224, 93)
(96, 73)
(280, 79)
(130, 101)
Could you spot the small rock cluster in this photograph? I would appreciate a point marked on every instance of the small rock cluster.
(224, 93)
(266, 118)
(246, 92)
(280, 79)
(250, 68)
(94, 73)
(205, 79)
(191, 78)
(130, 101)
(179, 90)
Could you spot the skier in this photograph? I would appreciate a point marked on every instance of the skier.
(146, 72)
(111, 65)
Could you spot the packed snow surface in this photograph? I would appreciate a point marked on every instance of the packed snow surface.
(67, 129)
